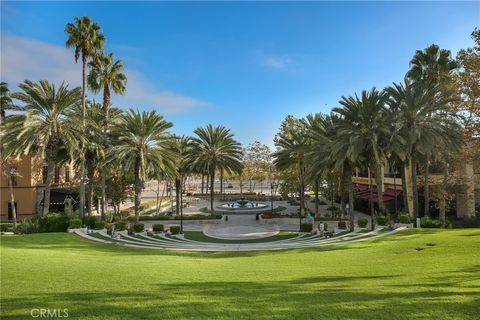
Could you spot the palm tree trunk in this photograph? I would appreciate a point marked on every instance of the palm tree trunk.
(316, 187)
(208, 183)
(379, 183)
(90, 176)
(48, 184)
(372, 211)
(138, 189)
(82, 152)
(414, 186)
(12, 198)
(403, 177)
(203, 182)
(347, 190)
(426, 191)
(212, 181)
(221, 181)
(443, 199)
(106, 112)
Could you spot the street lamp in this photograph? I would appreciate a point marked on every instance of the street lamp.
(272, 186)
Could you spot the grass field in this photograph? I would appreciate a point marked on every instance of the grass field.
(427, 274)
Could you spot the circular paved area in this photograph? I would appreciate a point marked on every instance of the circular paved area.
(236, 232)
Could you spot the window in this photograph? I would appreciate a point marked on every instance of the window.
(10, 212)
(57, 174)
(67, 173)
(44, 174)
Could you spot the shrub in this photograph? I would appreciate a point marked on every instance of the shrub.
(473, 222)
(131, 219)
(6, 227)
(120, 225)
(53, 222)
(404, 218)
(100, 225)
(322, 203)
(362, 222)
(342, 224)
(138, 227)
(90, 221)
(27, 226)
(382, 220)
(426, 222)
(75, 223)
(158, 227)
(306, 227)
(175, 229)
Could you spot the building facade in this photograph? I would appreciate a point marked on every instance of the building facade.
(28, 184)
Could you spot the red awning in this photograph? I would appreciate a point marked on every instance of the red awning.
(363, 192)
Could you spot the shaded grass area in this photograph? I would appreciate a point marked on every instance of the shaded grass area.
(385, 278)
(200, 236)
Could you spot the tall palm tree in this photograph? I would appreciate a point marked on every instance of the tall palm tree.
(142, 142)
(431, 68)
(94, 152)
(106, 74)
(215, 148)
(421, 123)
(364, 131)
(183, 146)
(87, 39)
(46, 127)
(293, 144)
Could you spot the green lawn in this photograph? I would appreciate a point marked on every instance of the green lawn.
(428, 274)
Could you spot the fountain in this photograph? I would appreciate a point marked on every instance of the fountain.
(243, 206)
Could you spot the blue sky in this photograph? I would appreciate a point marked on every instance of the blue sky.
(243, 65)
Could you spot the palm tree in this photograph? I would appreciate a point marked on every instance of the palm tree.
(87, 38)
(183, 146)
(106, 74)
(94, 152)
(46, 127)
(421, 123)
(431, 68)
(293, 144)
(365, 134)
(214, 148)
(329, 154)
(142, 142)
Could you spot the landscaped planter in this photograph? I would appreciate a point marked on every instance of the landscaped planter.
(406, 225)
(357, 229)
(179, 236)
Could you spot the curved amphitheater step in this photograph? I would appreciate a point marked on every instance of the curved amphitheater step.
(172, 243)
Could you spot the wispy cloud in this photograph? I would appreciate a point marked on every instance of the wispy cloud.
(276, 62)
(25, 58)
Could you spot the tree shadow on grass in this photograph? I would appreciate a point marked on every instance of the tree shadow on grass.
(329, 297)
